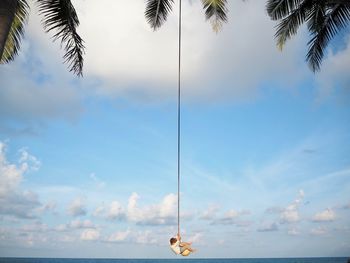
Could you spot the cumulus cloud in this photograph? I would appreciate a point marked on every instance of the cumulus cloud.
(120, 236)
(232, 217)
(35, 227)
(99, 183)
(137, 237)
(327, 215)
(318, 231)
(347, 206)
(268, 227)
(116, 211)
(196, 238)
(47, 207)
(291, 213)
(293, 232)
(228, 66)
(14, 201)
(210, 213)
(77, 208)
(334, 73)
(78, 224)
(26, 103)
(90, 235)
(238, 59)
(147, 71)
(145, 237)
(274, 210)
(163, 213)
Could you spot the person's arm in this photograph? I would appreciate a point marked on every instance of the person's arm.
(178, 237)
(178, 242)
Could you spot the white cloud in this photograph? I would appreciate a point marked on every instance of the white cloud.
(99, 183)
(238, 59)
(99, 211)
(228, 66)
(35, 227)
(268, 227)
(145, 237)
(327, 215)
(197, 238)
(90, 235)
(47, 207)
(347, 206)
(318, 231)
(210, 213)
(334, 74)
(293, 232)
(115, 211)
(14, 201)
(291, 212)
(119, 236)
(163, 213)
(27, 158)
(137, 237)
(77, 208)
(158, 214)
(232, 217)
(77, 224)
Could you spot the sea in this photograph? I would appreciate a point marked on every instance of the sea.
(180, 260)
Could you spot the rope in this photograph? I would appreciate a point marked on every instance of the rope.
(178, 124)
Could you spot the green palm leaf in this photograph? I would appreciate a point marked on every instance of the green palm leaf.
(157, 12)
(215, 12)
(290, 24)
(324, 25)
(12, 44)
(60, 15)
(278, 9)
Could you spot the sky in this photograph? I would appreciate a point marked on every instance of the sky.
(88, 165)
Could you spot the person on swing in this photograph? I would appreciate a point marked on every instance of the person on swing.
(180, 248)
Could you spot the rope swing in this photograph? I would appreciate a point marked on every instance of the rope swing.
(179, 124)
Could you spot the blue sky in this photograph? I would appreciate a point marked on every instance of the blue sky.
(88, 166)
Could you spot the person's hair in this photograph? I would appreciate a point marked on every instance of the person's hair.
(173, 240)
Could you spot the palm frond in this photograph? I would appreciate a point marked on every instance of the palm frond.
(13, 41)
(323, 29)
(215, 12)
(157, 11)
(290, 24)
(278, 9)
(60, 15)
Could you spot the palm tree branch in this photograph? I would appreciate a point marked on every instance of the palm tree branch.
(278, 9)
(12, 44)
(290, 24)
(157, 11)
(333, 21)
(215, 12)
(60, 15)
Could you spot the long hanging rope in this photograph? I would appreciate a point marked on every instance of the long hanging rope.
(178, 124)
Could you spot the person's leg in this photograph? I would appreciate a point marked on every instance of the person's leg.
(184, 246)
(185, 243)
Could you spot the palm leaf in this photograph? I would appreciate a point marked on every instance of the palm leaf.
(215, 12)
(13, 41)
(278, 9)
(323, 29)
(60, 15)
(290, 24)
(157, 11)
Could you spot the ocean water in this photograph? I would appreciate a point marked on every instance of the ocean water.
(255, 260)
